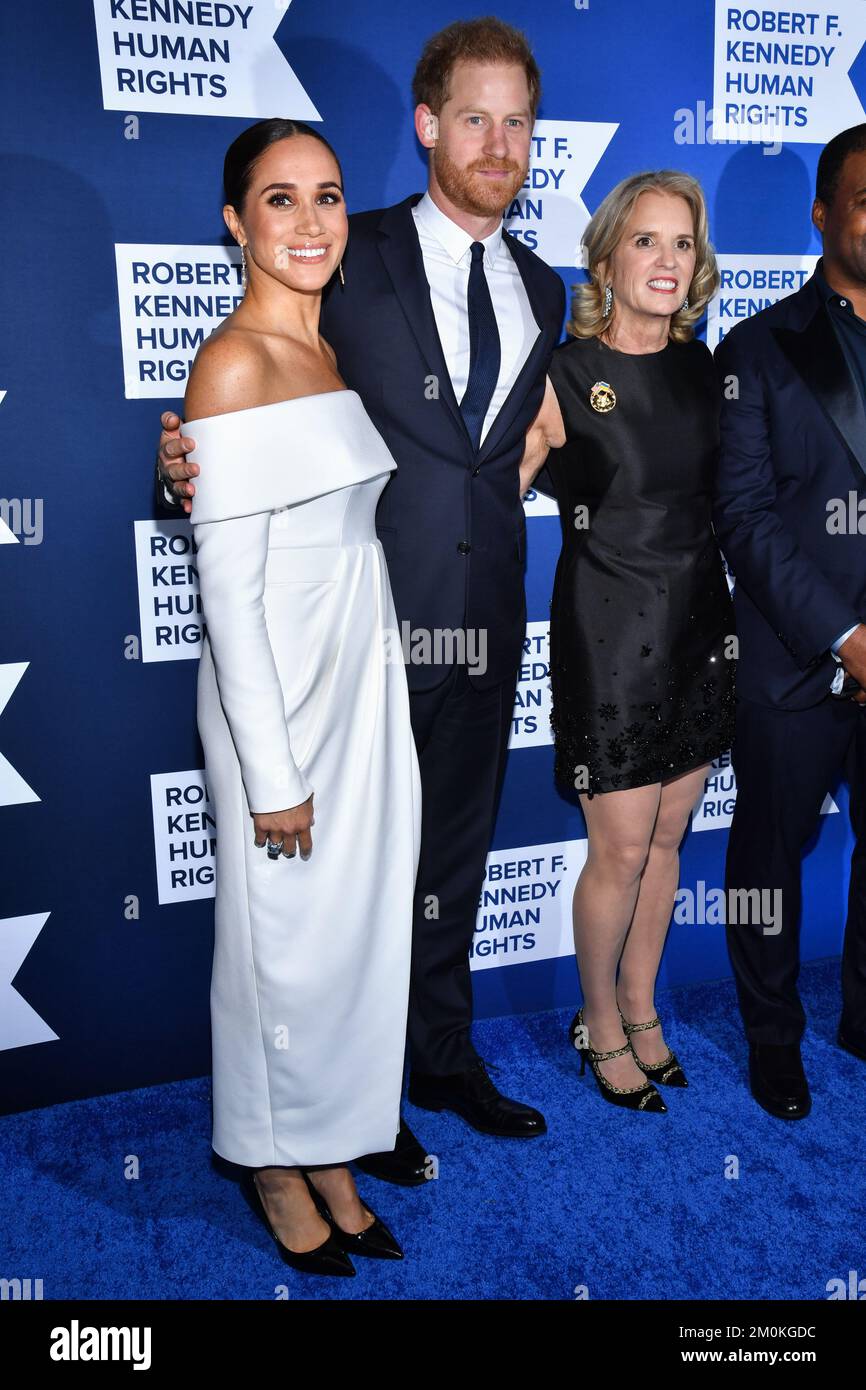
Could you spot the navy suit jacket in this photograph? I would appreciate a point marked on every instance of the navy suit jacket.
(793, 440)
(444, 495)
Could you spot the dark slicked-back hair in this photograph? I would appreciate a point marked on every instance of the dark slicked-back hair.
(244, 153)
(487, 40)
(833, 156)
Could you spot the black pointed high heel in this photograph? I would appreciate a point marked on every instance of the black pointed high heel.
(327, 1258)
(669, 1072)
(376, 1241)
(644, 1097)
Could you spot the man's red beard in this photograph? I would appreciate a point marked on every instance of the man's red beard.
(470, 191)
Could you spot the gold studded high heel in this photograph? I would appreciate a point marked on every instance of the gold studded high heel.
(668, 1072)
(644, 1097)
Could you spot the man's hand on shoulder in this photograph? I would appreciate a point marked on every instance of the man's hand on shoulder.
(227, 373)
(174, 470)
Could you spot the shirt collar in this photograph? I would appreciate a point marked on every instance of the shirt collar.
(823, 288)
(452, 238)
(827, 293)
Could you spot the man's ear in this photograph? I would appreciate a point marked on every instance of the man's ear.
(818, 214)
(426, 125)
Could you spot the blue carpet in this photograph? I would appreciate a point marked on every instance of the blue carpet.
(627, 1206)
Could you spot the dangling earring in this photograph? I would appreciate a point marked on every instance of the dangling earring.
(608, 300)
(342, 276)
(684, 305)
(243, 267)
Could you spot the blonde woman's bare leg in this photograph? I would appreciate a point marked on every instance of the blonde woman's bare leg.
(619, 828)
(652, 914)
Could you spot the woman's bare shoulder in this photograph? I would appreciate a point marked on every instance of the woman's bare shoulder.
(232, 371)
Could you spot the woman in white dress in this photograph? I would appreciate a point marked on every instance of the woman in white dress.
(301, 707)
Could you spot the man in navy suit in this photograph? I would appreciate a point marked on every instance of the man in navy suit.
(445, 325)
(790, 517)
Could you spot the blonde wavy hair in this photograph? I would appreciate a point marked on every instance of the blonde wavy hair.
(604, 233)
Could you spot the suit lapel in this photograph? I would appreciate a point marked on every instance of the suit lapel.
(814, 351)
(400, 250)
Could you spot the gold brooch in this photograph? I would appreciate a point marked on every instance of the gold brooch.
(602, 397)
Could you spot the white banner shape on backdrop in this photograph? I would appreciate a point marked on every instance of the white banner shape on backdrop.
(196, 58)
(539, 504)
(169, 603)
(14, 791)
(716, 807)
(525, 908)
(20, 1025)
(530, 724)
(781, 70)
(170, 299)
(184, 836)
(549, 214)
(752, 283)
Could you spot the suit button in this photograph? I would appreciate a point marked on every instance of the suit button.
(475, 472)
(464, 547)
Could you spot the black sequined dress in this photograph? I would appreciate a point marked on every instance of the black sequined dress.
(642, 672)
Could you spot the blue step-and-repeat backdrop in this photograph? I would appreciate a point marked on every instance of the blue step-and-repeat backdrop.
(117, 114)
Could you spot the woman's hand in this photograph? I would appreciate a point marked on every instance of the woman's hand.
(287, 826)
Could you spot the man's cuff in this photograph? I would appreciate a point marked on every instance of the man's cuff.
(843, 637)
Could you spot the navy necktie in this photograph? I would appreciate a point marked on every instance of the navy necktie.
(484, 349)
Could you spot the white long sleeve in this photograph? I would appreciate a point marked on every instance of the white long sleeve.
(231, 559)
(236, 492)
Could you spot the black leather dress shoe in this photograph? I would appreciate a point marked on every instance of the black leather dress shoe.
(778, 1081)
(406, 1164)
(853, 1040)
(472, 1095)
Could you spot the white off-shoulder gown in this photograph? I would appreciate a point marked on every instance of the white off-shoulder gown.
(301, 690)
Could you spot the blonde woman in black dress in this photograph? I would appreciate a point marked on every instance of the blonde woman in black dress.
(642, 670)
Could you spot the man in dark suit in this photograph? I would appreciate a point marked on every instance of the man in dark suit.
(445, 325)
(790, 517)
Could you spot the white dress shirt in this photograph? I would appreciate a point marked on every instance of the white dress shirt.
(447, 258)
(843, 638)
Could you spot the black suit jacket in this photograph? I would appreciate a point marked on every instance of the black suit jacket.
(793, 442)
